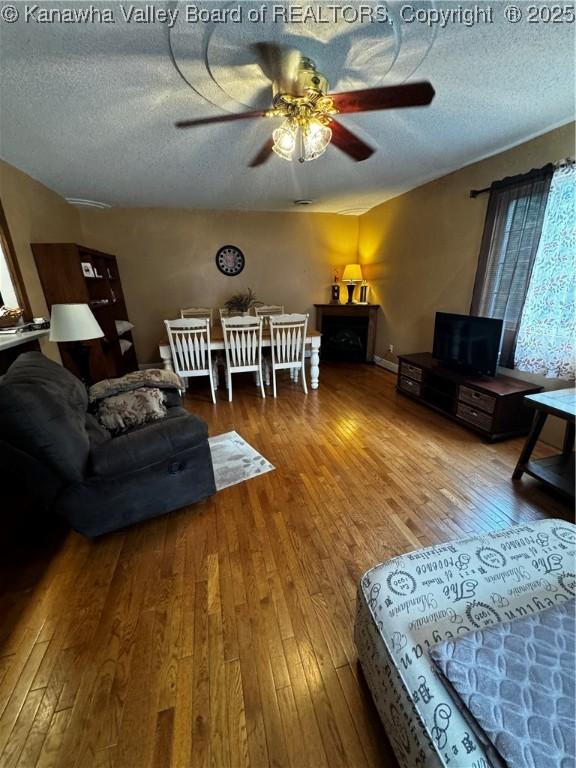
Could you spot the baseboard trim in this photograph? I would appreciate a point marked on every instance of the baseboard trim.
(386, 364)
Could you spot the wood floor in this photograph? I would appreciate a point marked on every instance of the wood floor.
(221, 635)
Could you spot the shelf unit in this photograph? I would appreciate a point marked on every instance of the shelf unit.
(492, 406)
(64, 282)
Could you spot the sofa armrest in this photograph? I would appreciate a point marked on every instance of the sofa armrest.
(148, 444)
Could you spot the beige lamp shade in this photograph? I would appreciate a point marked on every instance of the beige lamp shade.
(352, 274)
(73, 322)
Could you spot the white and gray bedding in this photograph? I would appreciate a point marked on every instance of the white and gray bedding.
(517, 681)
(411, 603)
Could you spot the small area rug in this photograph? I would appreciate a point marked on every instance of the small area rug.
(234, 460)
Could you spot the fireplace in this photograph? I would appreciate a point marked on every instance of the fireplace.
(344, 338)
(348, 331)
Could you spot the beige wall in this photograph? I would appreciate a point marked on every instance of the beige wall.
(35, 214)
(419, 251)
(166, 259)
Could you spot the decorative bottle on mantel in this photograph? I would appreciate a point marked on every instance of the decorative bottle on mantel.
(335, 299)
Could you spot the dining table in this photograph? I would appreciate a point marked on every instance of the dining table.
(313, 340)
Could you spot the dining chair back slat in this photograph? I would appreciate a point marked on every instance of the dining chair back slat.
(191, 348)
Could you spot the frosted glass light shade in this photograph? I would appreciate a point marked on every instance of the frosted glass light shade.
(352, 274)
(284, 140)
(73, 322)
(316, 140)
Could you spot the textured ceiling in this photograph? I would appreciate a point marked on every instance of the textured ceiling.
(88, 109)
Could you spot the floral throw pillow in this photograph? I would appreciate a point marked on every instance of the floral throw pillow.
(131, 409)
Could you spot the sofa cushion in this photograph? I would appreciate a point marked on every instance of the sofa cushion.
(148, 444)
(43, 413)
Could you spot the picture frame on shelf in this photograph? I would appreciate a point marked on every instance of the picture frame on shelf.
(87, 269)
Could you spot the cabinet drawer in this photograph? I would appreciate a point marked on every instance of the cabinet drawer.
(411, 371)
(408, 385)
(472, 416)
(477, 399)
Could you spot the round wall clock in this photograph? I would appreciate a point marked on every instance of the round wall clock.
(230, 260)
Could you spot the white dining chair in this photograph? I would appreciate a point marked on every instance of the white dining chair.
(191, 348)
(266, 310)
(243, 347)
(224, 312)
(288, 345)
(196, 312)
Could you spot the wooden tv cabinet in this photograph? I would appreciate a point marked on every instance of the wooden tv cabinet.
(492, 406)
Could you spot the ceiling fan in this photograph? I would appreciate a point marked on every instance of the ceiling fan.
(301, 98)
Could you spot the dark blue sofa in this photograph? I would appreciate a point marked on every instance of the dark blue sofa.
(51, 444)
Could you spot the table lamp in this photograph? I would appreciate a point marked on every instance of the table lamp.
(75, 323)
(352, 275)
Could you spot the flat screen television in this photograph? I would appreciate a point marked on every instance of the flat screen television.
(468, 343)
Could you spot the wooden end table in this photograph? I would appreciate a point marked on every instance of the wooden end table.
(556, 471)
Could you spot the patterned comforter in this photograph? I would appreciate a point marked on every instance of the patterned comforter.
(411, 603)
(517, 681)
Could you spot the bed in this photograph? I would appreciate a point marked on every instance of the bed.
(412, 602)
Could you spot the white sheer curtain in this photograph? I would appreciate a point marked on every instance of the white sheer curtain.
(546, 337)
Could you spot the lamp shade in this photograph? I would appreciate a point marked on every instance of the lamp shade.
(73, 322)
(352, 274)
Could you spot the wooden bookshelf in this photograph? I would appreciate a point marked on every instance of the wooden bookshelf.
(64, 282)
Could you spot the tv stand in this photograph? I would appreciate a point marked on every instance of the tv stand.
(493, 406)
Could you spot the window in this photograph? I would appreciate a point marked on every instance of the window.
(511, 235)
(547, 335)
(527, 270)
(8, 296)
(12, 291)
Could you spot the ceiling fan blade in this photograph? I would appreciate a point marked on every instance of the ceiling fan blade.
(390, 97)
(280, 64)
(263, 155)
(219, 119)
(349, 143)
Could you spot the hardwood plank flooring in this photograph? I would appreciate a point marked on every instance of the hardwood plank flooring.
(221, 635)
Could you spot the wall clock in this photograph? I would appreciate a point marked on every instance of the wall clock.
(230, 260)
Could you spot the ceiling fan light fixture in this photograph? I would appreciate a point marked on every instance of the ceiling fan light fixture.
(315, 140)
(301, 99)
(284, 140)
